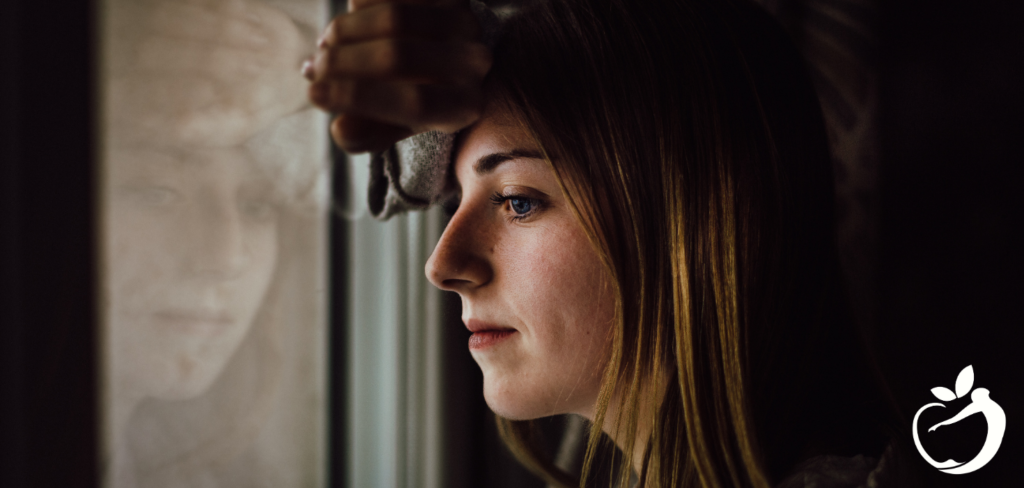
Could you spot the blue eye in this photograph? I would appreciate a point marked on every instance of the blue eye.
(521, 206)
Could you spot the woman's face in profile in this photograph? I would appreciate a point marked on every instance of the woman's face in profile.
(191, 252)
(533, 289)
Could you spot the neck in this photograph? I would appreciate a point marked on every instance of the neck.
(645, 423)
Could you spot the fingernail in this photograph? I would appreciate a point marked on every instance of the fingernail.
(307, 69)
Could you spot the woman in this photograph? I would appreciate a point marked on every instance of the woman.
(210, 227)
(643, 234)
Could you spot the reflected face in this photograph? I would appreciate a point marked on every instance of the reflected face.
(533, 290)
(192, 247)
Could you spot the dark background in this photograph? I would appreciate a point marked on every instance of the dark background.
(941, 254)
(951, 268)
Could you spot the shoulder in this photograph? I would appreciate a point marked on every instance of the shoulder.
(840, 472)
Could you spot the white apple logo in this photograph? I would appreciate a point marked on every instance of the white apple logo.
(980, 402)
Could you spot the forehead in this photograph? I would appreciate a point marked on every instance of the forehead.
(496, 132)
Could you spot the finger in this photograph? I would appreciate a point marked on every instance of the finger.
(406, 60)
(354, 5)
(417, 106)
(400, 21)
(357, 134)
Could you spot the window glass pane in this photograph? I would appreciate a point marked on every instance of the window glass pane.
(214, 240)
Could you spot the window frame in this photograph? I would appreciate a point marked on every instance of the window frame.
(48, 361)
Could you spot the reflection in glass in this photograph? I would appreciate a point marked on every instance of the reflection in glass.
(213, 245)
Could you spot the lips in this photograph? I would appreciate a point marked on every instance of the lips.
(486, 335)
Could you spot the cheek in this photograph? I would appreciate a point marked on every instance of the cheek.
(559, 283)
(561, 295)
(140, 252)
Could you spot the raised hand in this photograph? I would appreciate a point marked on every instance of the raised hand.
(393, 69)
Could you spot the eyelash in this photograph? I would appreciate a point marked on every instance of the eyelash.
(535, 205)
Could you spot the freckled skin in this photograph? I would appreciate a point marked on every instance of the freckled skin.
(539, 275)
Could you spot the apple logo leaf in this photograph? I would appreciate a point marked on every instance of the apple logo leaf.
(964, 381)
(943, 394)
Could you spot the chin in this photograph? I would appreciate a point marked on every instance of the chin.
(187, 379)
(516, 403)
(511, 412)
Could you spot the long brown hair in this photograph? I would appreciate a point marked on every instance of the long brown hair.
(691, 147)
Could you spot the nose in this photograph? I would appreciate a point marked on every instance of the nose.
(218, 247)
(460, 262)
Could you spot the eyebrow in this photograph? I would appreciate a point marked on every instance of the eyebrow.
(487, 163)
